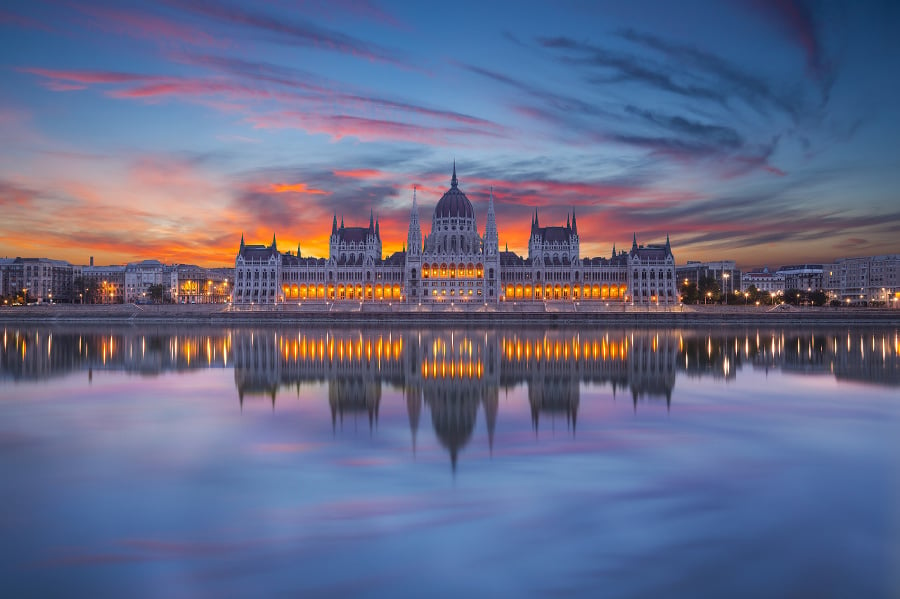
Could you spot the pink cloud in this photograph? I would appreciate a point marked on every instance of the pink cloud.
(294, 188)
(366, 129)
(59, 86)
(363, 173)
(146, 26)
(796, 19)
(86, 77)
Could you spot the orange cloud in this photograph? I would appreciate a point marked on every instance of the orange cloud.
(294, 188)
(360, 173)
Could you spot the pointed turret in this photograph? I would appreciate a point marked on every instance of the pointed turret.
(568, 222)
(614, 251)
(574, 224)
(668, 245)
(414, 234)
(377, 230)
(274, 245)
(537, 225)
(371, 221)
(634, 245)
(342, 221)
(242, 241)
(298, 249)
(453, 181)
(334, 224)
(491, 239)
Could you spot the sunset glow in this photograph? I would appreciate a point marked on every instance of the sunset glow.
(757, 131)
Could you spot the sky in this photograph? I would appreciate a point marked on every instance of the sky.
(761, 131)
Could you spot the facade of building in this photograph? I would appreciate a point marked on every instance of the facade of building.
(870, 279)
(141, 276)
(191, 284)
(108, 281)
(6, 289)
(455, 264)
(724, 272)
(38, 279)
(764, 280)
(806, 277)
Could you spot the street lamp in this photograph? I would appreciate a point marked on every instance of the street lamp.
(725, 286)
(708, 295)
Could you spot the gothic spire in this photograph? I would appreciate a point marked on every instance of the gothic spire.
(574, 224)
(371, 220)
(242, 241)
(453, 181)
(334, 224)
(274, 245)
(634, 246)
(414, 234)
(491, 239)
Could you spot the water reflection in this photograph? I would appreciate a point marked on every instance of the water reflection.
(454, 373)
(275, 456)
(551, 362)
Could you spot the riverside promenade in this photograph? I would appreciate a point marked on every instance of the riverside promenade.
(503, 314)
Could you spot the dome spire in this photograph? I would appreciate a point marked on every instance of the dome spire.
(453, 181)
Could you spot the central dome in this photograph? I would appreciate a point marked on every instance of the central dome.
(454, 203)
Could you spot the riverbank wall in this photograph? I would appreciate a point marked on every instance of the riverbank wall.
(355, 314)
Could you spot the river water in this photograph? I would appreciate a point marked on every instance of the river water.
(192, 462)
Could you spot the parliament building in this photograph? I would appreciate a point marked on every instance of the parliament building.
(455, 264)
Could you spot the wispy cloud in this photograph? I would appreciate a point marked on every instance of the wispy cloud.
(142, 24)
(796, 19)
(734, 83)
(624, 68)
(290, 30)
(338, 126)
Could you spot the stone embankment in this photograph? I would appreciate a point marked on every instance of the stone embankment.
(550, 313)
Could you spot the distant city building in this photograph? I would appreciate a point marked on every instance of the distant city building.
(724, 272)
(864, 280)
(40, 279)
(45, 280)
(140, 277)
(103, 284)
(454, 263)
(764, 280)
(806, 277)
(191, 284)
(6, 289)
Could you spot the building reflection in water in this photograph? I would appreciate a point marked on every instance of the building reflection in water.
(30, 353)
(453, 373)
